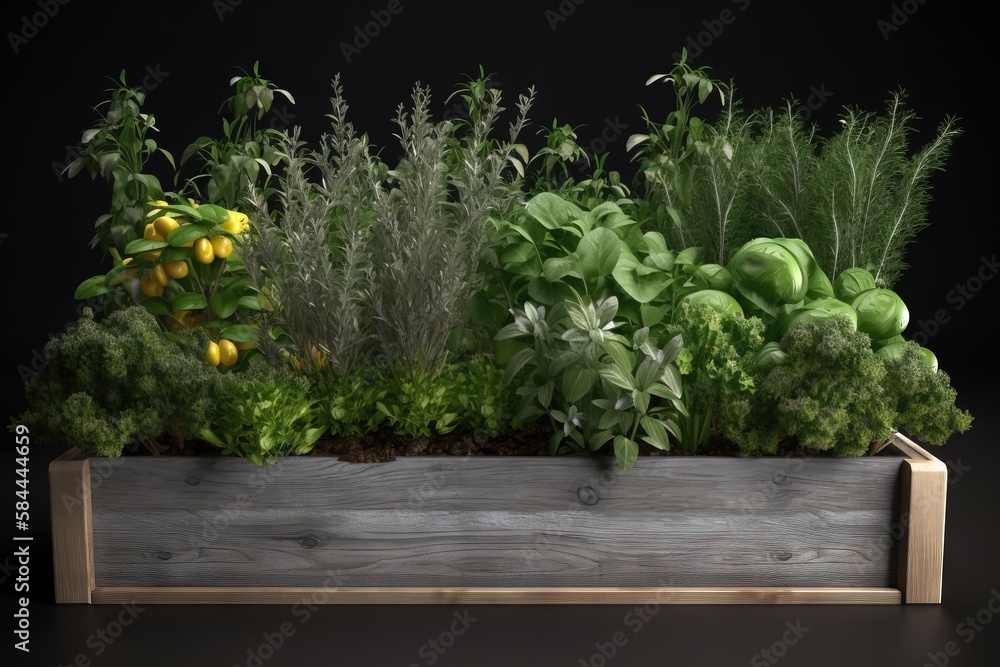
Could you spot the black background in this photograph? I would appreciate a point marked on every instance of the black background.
(590, 68)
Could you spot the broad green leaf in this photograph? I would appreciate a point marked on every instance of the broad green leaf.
(156, 305)
(599, 439)
(240, 333)
(190, 301)
(213, 214)
(552, 211)
(90, 288)
(186, 234)
(618, 377)
(174, 254)
(656, 434)
(144, 245)
(620, 354)
(577, 381)
(210, 437)
(641, 401)
(545, 393)
(690, 256)
(658, 255)
(556, 268)
(517, 362)
(598, 253)
(642, 283)
(653, 315)
(626, 452)
(647, 374)
(547, 292)
(224, 303)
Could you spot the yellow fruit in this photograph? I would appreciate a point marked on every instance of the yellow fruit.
(150, 286)
(222, 246)
(179, 320)
(163, 226)
(232, 225)
(176, 269)
(318, 357)
(160, 274)
(151, 234)
(193, 203)
(132, 273)
(203, 251)
(228, 354)
(212, 354)
(238, 222)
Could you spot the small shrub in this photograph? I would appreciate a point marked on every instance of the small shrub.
(264, 413)
(112, 383)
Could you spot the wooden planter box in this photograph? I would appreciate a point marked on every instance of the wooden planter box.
(500, 530)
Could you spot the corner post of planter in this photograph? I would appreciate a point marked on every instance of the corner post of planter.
(72, 531)
(924, 487)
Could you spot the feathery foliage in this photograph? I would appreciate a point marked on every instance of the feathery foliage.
(315, 262)
(432, 227)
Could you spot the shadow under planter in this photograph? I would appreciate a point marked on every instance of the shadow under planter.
(479, 530)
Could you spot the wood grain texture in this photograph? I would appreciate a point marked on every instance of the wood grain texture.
(495, 595)
(506, 522)
(72, 544)
(924, 487)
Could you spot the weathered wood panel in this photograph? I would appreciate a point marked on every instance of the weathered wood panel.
(494, 595)
(514, 522)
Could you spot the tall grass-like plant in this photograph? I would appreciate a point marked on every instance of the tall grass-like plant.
(315, 262)
(431, 228)
(872, 193)
(858, 197)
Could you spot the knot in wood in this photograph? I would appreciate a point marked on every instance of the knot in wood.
(308, 542)
(192, 480)
(587, 495)
(779, 478)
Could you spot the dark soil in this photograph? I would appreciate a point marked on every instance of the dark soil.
(530, 440)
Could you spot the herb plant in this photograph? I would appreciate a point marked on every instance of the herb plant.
(120, 381)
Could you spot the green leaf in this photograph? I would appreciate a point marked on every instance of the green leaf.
(190, 301)
(210, 437)
(240, 333)
(174, 254)
(547, 292)
(658, 254)
(598, 253)
(250, 303)
(653, 315)
(224, 303)
(156, 305)
(640, 282)
(626, 452)
(552, 211)
(621, 355)
(144, 245)
(556, 268)
(577, 382)
(516, 363)
(213, 214)
(554, 441)
(618, 377)
(656, 433)
(185, 234)
(545, 393)
(90, 288)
